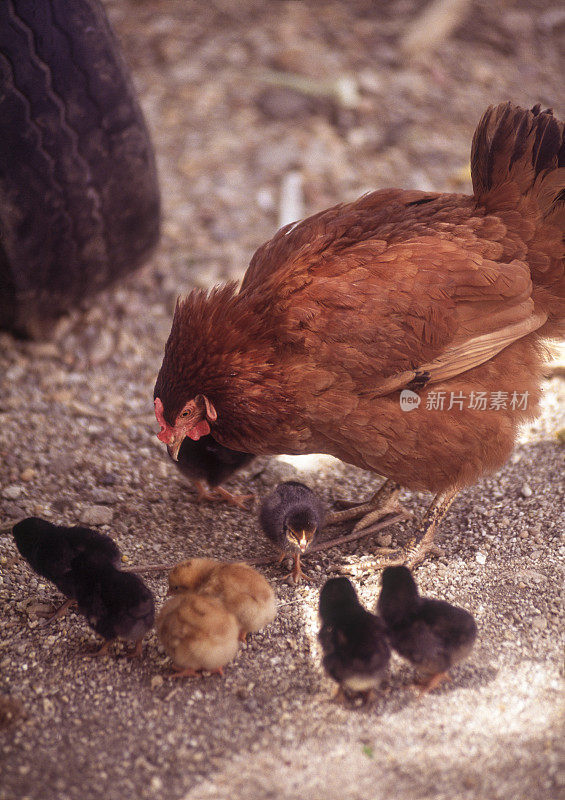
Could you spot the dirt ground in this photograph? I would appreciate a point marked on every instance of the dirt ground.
(77, 438)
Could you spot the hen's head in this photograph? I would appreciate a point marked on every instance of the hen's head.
(219, 372)
(192, 421)
(191, 371)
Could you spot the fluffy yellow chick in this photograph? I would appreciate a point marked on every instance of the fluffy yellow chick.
(242, 590)
(198, 633)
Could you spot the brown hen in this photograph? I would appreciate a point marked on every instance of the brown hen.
(446, 296)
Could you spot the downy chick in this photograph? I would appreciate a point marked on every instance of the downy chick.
(116, 604)
(356, 651)
(242, 590)
(291, 517)
(51, 549)
(197, 633)
(432, 634)
(207, 462)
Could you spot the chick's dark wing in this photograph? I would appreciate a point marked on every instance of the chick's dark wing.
(454, 626)
(368, 644)
(419, 643)
(94, 545)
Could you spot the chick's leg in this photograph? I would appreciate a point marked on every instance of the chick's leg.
(219, 495)
(59, 612)
(137, 650)
(429, 684)
(296, 575)
(179, 672)
(99, 651)
(382, 503)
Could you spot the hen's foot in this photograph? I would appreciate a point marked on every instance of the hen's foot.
(221, 495)
(423, 543)
(382, 504)
(351, 537)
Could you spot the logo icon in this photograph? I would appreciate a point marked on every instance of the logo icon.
(409, 400)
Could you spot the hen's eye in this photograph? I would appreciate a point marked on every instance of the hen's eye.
(184, 414)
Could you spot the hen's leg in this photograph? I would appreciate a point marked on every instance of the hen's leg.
(221, 495)
(382, 503)
(423, 543)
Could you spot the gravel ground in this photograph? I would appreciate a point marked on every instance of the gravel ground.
(77, 441)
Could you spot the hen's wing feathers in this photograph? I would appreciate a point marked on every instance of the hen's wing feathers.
(423, 294)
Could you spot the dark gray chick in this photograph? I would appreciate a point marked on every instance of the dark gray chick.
(116, 604)
(432, 634)
(206, 461)
(356, 651)
(291, 517)
(51, 549)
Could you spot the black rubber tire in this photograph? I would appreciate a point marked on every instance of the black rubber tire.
(79, 198)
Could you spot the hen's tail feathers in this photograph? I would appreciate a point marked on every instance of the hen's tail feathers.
(518, 165)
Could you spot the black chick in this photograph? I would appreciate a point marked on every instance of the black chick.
(116, 604)
(51, 549)
(432, 634)
(206, 461)
(356, 651)
(291, 517)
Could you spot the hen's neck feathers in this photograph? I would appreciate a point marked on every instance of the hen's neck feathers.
(221, 346)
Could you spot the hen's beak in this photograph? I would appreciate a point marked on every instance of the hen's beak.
(173, 447)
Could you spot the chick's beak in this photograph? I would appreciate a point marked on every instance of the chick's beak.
(303, 542)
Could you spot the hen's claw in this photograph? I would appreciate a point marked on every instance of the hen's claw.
(381, 504)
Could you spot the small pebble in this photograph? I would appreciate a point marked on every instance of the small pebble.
(539, 623)
(526, 491)
(28, 474)
(156, 681)
(481, 558)
(104, 496)
(12, 492)
(97, 515)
